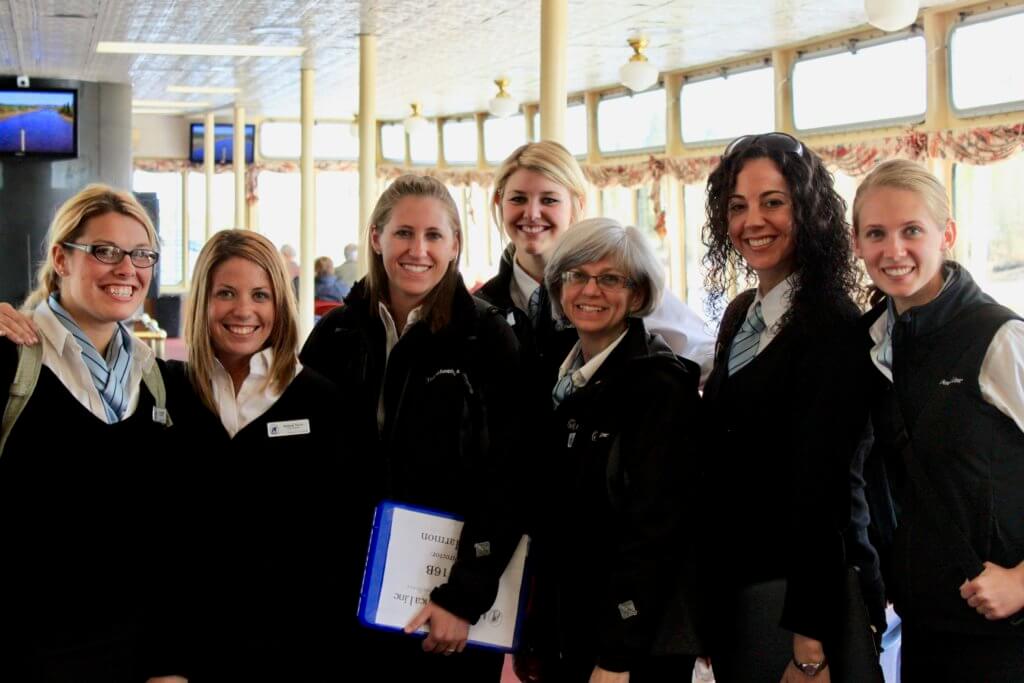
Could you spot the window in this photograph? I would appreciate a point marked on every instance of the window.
(280, 139)
(423, 145)
(503, 136)
(985, 57)
(693, 225)
(631, 122)
(392, 142)
(726, 107)
(575, 128)
(619, 203)
(460, 142)
(280, 207)
(337, 213)
(167, 187)
(335, 141)
(883, 83)
(989, 210)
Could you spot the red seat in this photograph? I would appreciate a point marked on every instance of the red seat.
(322, 307)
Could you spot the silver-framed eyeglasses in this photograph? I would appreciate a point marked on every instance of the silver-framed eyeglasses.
(109, 254)
(608, 282)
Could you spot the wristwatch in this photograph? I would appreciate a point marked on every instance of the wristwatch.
(811, 669)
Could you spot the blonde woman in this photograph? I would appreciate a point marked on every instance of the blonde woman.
(539, 193)
(948, 363)
(267, 491)
(82, 470)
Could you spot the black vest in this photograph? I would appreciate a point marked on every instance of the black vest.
(972, 452)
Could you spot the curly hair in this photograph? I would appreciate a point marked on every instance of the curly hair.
(823, 256)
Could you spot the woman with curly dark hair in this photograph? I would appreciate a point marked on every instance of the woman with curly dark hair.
(788, 427)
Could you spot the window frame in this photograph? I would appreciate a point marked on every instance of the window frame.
(444, 141)
(316, 122)
(619, 93)
(766, 63)
(988, 109)
(861, 44)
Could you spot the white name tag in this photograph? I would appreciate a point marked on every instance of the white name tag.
(288, 428)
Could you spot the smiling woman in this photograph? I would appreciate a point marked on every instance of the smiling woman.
(433, 373)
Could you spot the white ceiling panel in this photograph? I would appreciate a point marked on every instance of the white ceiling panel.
(444, 54)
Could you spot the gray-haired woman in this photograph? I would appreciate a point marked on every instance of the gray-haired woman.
(612, 556)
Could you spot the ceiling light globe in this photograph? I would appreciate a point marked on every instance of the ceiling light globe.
(891, 15)
(502, 106)
(637, 75)
(415, 125)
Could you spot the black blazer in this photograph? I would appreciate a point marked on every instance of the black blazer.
(619, 516)
(787, 436)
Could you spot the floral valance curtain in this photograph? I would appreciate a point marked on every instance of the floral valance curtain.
(974, 146)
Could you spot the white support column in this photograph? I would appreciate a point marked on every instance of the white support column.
(554, 18)
(208, 166)
(782, 65)
(367, 137)
(239, 166)
(307, 236)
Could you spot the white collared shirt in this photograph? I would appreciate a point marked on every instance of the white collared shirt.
(63, 356)
(391, 337)
(254, 397)
(583, 375)
(1001, 378)
(521, 287)
(774, 305)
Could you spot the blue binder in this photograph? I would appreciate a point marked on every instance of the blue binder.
(406, 539)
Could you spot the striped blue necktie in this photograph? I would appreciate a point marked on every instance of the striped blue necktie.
(110, 374)
(564, 387)
(746, 341)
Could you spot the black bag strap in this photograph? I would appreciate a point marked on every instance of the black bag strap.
(956, 541)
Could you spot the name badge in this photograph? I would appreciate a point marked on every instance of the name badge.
(160, 416)
(288, 428)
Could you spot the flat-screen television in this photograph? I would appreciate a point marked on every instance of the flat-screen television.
(223, 142)
(38, 122)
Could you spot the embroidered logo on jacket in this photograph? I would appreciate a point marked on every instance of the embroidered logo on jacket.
(950, 381)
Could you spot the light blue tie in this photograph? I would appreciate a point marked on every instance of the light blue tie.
(110, 374)
(537, 300)
(746, 341)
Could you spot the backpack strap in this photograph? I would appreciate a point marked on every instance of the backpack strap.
(30, 361)
(154, 381)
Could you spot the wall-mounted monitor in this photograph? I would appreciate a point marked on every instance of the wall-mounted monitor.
(223, 142)
(38, 122)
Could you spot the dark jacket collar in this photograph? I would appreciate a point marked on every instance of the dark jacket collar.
(958, 295)
(497, 290)
(637, 345)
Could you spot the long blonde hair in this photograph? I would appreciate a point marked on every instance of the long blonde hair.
(437, 306)
(551, 160)
(69, 223)
(284, 336)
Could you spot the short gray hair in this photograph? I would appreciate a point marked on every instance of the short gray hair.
(594, 239)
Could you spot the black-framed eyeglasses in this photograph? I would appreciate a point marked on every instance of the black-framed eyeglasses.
(108, 253)
(776, 141)
(608, 282)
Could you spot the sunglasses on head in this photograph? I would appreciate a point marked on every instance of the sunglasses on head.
(773, 141)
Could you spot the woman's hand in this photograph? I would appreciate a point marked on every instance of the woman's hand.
(794, 675)
(18, 328)
(997, 592)
(600, 675)
(447, 633)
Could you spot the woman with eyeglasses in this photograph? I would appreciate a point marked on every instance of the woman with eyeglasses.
(787, 432)
(539, 193)
(434, 374)
(613, 553)
(947, 363)
(86, 480)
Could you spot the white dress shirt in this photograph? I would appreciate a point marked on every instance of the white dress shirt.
(1001, 378)
(522, 287)
(774, 306)
(254, 397)
(63, 356)
(391, 337)
(583, 375)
